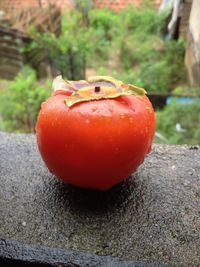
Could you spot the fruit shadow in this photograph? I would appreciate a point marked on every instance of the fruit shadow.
(90, 201)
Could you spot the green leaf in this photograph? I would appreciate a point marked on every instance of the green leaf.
(105, 91)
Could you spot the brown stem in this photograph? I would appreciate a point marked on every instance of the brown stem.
(97, 89)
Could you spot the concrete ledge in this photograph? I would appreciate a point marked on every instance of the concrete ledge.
(19, 254)
(154, 216)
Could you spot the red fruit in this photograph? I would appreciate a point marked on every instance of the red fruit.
(95, 133)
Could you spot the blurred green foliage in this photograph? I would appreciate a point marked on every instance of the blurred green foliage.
(21, 100)
(67, 52)
(179, 123)
(91, 38)
(129, 45)
(186, 91)
(151, 61)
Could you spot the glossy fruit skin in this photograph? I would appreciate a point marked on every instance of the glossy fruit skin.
(95, 144)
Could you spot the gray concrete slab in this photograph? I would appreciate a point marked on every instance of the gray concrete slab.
(154, 216)
(14, 253)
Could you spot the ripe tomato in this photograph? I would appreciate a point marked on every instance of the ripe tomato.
(95, 134)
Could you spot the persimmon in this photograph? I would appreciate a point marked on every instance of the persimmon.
(95, 133)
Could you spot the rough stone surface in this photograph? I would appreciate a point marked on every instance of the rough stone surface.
(19, 254)
(154, 216)
(192, 57)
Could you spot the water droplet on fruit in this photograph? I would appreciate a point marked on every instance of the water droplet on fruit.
(131, 120)
(122, 116)
(110, 108)
(87, 121)
(94, 108)
(149, 109)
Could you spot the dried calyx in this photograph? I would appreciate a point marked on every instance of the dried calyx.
(95, 88)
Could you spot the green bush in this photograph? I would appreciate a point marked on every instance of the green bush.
(132, 39)
(187, 116)
(186, 91)
(142, 20)
(20, 102)
(106, 22)
(69, 51)
(156, 64)
(144, 57)
(81, 40)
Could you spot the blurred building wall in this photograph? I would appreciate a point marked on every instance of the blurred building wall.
(11, 4)
(115, 5)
